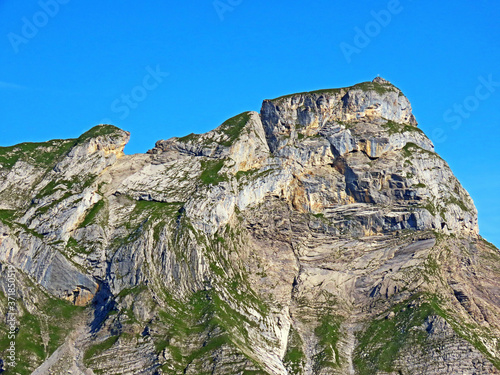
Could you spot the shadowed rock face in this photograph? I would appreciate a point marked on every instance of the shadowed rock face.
(321, 236)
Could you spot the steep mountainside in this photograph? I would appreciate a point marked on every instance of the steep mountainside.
(321, 236)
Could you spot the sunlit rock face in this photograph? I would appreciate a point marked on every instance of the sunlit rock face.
(322, 235)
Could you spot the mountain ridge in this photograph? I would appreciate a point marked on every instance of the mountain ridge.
(322, 235)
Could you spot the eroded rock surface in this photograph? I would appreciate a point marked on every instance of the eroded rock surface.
(321, 236)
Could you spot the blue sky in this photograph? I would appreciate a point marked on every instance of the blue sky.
(165, 68)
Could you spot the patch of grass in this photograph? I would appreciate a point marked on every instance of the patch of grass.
(491, 259)
(44, 154)
(52, 187)
(327, 91)
(92, 213)
(77, 184)
(210, 314)
(411, 128)
(475, 334)
(458, 202)
(392, 127)
(429, 206)
(210, 172)
(31, 347)
(148, 215)
(288, 96)
(62, 311)
(294, 359)
(233, 127)
(432, 266)
(316, 92)
(204, 314)
(188, 138)
(328, 337)
(320, 216)
(29, 231)
(155, 209)
(99, 348)
(7, 215)
(136, 290)
(379, 88)
(380, 343)
(395, 127)
(434, 210)
(29, 337)
(99, 131)
(488, 244)
(253, 174)
(420, 185)
(410, 148)
(73, 245)
(250, 172)
(47, 207)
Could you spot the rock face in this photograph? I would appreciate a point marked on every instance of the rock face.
(321, 236)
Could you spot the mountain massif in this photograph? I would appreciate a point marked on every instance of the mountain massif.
(321, 236)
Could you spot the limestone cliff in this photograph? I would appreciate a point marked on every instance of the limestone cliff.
(321, 236)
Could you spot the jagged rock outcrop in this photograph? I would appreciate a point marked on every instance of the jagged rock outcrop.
(321, 236)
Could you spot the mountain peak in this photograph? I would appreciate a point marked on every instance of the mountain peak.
(380, 80)
(324, 220)
(373, 99)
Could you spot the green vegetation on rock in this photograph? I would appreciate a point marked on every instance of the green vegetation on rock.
(210, 172)
(40, 333)
(99, 131)
(188, 138)
(295, 358)
(458, 202)
(206, 315)
(232, 128)
(92, 213)
(6, 216)
(379, 88)
(42, 155)
(99, 348)
(411, 148)
(383, 339)
(328, 336)
(393, 127)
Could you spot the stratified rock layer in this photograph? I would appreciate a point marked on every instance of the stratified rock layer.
(321, 236)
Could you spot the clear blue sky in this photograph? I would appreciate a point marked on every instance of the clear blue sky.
(69, 66)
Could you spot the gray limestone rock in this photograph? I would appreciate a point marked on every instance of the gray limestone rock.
(322, 235)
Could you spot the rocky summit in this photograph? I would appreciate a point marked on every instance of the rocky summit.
(321, 236)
